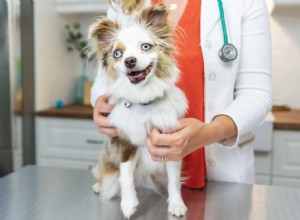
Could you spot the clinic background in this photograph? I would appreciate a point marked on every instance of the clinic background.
(45, 135)
(55, 64)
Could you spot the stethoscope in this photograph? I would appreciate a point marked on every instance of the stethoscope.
(228, 52)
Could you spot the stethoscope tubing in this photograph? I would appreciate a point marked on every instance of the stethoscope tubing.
(222, 17)
(228, 52)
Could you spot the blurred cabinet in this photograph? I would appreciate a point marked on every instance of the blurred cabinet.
(67, 143)
(263, 146)
(81, 6)
(286, 181)
(286, 158)
(263, 163)
(281, 166)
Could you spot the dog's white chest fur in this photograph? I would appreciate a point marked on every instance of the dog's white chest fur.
(137, 120)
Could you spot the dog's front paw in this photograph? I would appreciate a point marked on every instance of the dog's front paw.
(177, 209)
(128, 207)
(96, 188)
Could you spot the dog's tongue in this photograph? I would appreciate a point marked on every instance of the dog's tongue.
(138, 76)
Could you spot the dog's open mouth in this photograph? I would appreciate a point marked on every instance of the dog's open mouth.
(138, 76)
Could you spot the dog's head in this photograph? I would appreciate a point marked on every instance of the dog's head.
(137, 59)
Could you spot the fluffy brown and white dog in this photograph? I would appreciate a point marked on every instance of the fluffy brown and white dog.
(140, 76)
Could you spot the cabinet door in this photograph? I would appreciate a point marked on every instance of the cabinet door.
(263, 163)
(286, 181)
(75, 139)
(262, 179)
(286, 159)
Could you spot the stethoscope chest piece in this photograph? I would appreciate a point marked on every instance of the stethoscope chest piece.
(228, 52)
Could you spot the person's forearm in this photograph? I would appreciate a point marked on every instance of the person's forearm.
(220, 128)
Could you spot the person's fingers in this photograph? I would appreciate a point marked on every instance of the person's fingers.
(162, 151)
(101, 110)
(165, 158)
(160, 139)
(158, 151)
(102, 99)
(111, 132)
(102, 121)
(102, 105)
(103, 125)
(151, 149)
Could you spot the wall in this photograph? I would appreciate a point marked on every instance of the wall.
(56, 69)
(54, 65)
(286, 59)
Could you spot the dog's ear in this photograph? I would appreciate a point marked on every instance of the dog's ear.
(155, 15)
(101, 34)
(129, 6)
(155, 19)
(103, 30)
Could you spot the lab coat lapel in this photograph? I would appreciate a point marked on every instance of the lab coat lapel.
(209, 17)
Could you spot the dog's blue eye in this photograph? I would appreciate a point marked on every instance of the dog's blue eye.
(117, 54)
(146, 46)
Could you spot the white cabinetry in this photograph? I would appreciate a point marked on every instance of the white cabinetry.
(263, 145)
(81, 6)
(263, 161)
(286, 158)
(69, 143)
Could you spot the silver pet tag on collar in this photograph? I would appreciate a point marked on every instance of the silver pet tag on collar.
(127, 104)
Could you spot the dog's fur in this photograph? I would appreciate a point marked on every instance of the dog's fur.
(140, 78)
(129, 6)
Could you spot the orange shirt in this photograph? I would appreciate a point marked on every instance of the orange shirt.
(190, 63)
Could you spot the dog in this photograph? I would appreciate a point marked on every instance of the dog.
(140, 77)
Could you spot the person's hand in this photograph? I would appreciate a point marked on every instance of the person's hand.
(173, 147)
(190, 135)
(101, 111)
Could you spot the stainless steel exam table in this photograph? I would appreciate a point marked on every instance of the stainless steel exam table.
(36, 193)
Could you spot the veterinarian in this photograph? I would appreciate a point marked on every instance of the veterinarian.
(225, 63)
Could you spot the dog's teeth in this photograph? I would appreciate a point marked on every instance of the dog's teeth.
(137, 76)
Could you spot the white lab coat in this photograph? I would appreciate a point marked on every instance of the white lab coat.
(240, 89)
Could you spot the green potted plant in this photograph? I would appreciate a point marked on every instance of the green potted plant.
(76, 42)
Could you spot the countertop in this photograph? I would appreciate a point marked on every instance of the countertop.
(68, 111)
(284, 119)
(287, 120)
(36, 193)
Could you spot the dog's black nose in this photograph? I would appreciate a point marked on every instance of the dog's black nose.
(130, 62)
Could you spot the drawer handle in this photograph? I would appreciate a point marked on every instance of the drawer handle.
(90, 141)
